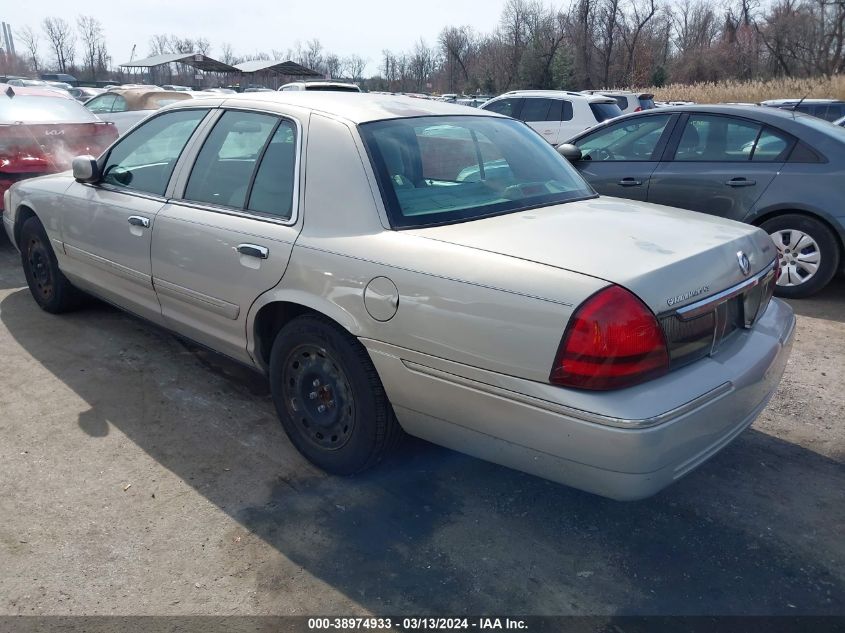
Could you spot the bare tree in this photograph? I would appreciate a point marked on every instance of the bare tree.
(62, 42)
(354, 66)
(31, 40)
(93, 44)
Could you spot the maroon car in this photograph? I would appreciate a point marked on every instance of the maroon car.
(42, 130)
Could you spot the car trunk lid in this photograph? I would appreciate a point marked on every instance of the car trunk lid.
(668, 257)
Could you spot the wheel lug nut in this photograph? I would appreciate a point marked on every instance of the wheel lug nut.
(321, 408)
(312, 395)
(316, 382)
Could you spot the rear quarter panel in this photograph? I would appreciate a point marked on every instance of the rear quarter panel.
(473, 307)
(814, 188)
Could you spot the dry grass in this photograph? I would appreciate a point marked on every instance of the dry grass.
(753, 91)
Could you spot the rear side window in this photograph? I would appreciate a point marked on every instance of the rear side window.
(605, 111)
(508, 107)
(101, 104)
(772, 146)
(620, 100)
(536, 110)
(274, 184)
(227, 160)
(119, 104)
(717, 138)
(37, 109)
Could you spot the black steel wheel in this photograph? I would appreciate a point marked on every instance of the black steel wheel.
(49, 287)
(329, 397)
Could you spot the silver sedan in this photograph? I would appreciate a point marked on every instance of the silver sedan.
(397, 264)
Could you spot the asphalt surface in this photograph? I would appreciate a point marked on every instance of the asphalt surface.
(141, 475)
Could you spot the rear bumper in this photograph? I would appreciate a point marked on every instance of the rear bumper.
(614, 457)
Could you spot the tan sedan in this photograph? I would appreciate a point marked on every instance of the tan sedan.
(401, 264)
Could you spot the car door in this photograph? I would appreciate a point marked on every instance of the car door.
(107, 226)
(713, 165)
(227, 235)
(619, 159)
(543, 116)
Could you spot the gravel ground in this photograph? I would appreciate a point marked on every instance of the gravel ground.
(142, 476)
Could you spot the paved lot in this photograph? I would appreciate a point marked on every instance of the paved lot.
(142, 476)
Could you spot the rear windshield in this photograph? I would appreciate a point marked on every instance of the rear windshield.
(605, 111)
(441, 170)
(38, 109)
(334, 88)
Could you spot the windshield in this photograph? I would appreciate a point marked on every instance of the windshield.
(38, 109)
(605, 111)
(440, 170)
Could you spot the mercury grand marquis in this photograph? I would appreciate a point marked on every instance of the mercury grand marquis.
(399, 265)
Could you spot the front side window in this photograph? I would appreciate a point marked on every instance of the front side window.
(224, 167)
(509, 107)
(440, 170)
(632, 140)
(144, 159)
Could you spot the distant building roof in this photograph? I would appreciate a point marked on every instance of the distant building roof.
(289, 68)
(197, 60)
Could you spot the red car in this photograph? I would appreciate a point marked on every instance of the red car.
(41, 131)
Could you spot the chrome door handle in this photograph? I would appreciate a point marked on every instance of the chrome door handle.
(740, 182)
(252, 250)
(137, 220)
(630, 182)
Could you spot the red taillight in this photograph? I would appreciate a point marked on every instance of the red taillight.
(19, 153)
(639, 109)
(613, 340)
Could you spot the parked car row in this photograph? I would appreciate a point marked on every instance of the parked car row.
(772, 168)
(41, 130)
(428, 269)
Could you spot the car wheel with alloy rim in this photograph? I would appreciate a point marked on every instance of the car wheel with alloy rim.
(809, 254)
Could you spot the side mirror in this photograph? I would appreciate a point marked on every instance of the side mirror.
(570, 152)
(85, 169)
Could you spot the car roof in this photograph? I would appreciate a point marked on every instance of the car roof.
(619, 93)
(143, 99)
(357, 107)
(795, 101)
(787, 120)
(556, 93)
(34, 92)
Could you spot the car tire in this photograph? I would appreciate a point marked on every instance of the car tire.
(329, 397)
(49, 287)
(786, 231)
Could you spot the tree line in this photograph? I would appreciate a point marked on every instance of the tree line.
(585, 44)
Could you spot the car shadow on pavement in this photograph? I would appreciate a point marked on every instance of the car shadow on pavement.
(828, 304)
(754, 531)
(11, 275)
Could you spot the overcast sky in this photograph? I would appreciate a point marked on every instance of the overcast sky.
(342, 26)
